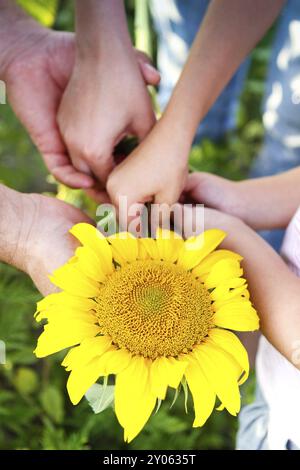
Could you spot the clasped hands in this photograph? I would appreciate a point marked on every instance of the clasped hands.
(76, 107)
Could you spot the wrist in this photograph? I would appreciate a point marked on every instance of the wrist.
(177, 137)
(101, 29)
(234, 201)
(18, 33)
(17, 214)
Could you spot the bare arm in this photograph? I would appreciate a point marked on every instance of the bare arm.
(263, 203)
(228, 33)
(98, 20)
(230, 30)
(274, 289)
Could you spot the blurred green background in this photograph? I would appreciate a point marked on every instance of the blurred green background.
(35, 412)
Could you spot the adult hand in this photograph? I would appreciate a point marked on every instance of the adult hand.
(34, 234)
(36, 65)
(103, 102)
(49, 244)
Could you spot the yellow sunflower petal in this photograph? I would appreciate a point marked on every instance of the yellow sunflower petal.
(53, 339)
(71, 280)
(89, 236)
(59, 300)
(220, 370)
(82, 378)
(142, 252)
(240, 316)
(204, 396)
(219, 255)
(60, 317)
(236, 294)
(86, 351)
(134, 402)
(124, 247)
(89, 264)
(195, 249)
(223, 270)
(166, 372)
(226, 288)
(43, 304)
(232, 345)
(115, 360)
(150, 246)
(168, 244)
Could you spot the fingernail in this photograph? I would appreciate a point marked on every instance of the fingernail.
(151, 68)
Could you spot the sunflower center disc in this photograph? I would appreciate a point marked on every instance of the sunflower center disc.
(154, 308)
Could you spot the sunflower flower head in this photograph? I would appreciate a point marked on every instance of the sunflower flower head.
(153, 313)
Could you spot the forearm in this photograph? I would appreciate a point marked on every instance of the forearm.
(16, 212)
(101, 27)
(15, 26)
(269, 203)
(229, 31)
(275, 290)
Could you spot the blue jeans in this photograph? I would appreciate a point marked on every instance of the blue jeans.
(281, 109)
(253, 426)
(176, 23)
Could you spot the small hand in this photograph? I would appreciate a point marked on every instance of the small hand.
(214, 191)
(156, 171)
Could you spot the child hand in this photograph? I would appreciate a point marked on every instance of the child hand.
(155, 171)
(262, 203)
(215, 192)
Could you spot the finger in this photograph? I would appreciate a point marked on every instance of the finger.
(94, 158)
(203, 188)
(102, 167)
(142, 125)
(78, 158)
(62, 169)
(193, 181)
(98, 195)
(150, 74)
(80, 164)
(129, 201)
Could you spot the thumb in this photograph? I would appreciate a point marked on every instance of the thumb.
(129, 201)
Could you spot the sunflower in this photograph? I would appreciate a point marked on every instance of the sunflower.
(155, 313)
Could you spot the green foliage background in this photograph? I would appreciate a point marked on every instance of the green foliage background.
(35, 412)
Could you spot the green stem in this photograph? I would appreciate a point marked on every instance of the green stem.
(143, 40)
(143, 37)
